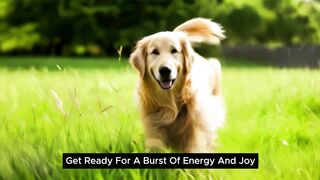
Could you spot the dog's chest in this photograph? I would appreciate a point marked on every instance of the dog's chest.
(180, 128)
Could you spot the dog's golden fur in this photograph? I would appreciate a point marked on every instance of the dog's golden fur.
(186, 116)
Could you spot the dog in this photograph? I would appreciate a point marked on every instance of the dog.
(179, 90)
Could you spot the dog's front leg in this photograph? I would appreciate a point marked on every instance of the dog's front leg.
(155, 139)
(155, 145)
(197, 142)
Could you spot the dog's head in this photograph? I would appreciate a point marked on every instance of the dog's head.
(167, 57)
(164, 56)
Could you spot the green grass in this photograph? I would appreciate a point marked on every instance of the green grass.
(275, 112)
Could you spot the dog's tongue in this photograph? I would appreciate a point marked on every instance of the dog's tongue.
(166, 84)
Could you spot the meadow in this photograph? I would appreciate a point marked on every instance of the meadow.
(49, 106)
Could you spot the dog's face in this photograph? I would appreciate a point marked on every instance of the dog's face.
(164, 57)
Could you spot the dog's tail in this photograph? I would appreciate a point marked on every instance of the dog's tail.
(202, 30)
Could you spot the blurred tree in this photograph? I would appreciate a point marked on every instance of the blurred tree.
(99, 27)
(244, 23)
(292, 22)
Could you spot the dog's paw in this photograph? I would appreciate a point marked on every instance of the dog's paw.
(157, 149)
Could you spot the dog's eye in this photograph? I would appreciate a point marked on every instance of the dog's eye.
(174, 50)
(155, 52)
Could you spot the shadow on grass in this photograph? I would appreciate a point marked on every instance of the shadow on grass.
(58, 63)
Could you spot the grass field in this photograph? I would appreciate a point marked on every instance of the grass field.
(89, 106)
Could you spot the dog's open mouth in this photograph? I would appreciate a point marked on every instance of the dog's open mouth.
(166, 83)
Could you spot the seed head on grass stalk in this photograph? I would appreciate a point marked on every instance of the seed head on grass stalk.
(59, 102)
(119, 53)
(59, 67)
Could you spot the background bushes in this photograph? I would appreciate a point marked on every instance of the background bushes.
(99, 27)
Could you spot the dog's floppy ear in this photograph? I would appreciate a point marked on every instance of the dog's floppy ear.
(139, 55)
(187, 52)
(202, 30)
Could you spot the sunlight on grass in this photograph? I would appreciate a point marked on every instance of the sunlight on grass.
(275, 112)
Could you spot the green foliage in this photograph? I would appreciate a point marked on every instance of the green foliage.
(19, 38)
(292, 21)
(274, 112)
(97, 27)
(244, 23)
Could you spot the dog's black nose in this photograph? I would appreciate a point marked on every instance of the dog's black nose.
(165, 71)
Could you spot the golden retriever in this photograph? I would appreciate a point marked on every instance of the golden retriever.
(179, 90)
